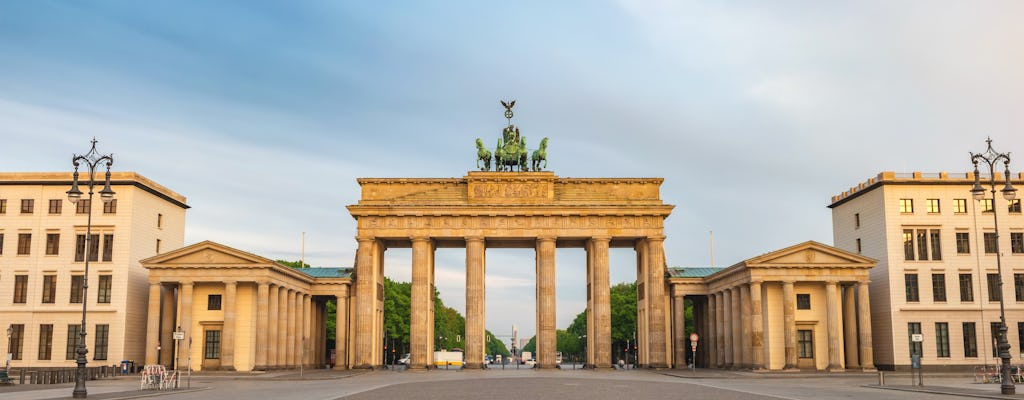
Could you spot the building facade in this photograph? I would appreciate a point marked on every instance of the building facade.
(42, 262)
(936, 273)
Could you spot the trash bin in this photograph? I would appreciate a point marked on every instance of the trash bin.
(124, 366)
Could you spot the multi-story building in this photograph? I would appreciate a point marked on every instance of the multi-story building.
(936, 273)
(42, 263)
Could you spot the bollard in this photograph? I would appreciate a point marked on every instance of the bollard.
(881, 378)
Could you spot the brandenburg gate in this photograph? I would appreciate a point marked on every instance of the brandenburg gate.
(508, 209)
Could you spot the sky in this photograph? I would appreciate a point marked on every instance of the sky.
(264, 113)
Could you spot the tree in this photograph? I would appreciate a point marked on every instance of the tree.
(495, 345)
(531, 346)
(293, 264)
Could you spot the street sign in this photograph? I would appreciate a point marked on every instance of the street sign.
(179, 335)
(694, 337)
(916, 337)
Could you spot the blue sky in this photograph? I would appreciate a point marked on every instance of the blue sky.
(263, 113)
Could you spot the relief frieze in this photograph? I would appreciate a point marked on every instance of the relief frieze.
(510, 222)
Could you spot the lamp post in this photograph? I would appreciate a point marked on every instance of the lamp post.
(92, 159)
(991, 157)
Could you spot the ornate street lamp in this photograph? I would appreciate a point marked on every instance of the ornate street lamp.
(991, 157)
(92, 159)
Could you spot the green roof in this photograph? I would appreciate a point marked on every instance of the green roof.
(691, 272)
(327, 272)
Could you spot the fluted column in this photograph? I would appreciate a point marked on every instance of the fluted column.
(546, 338)
(419, 332)
(341, 330)
(293, 327)
(757, 347)
(711, 342)
(679, 331)
(746, 342)
(186, 315)
(262, 320)
(366, 301)
(834, 313)
(721, 338)
(850, 327)
(789, 323)
(227, 345)
(728, 330)
(283, 314)
(307, 330)
(475, 308)
(867, 360)
(153, 324)
(601, 287)
(657, 331)
(737, 328)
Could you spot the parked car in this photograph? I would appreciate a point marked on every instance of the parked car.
(404, 359)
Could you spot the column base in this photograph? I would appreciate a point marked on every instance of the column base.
(791, 369)
(260, 368)
(836, 369)
(868, 369)
(340, 367)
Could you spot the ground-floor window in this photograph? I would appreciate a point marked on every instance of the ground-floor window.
(72, 342)
(17, 338)
(212, 350)
(942, 339)
(805, 343)
(45, 341)
(970, 340)
(102, 338)
(914, 328)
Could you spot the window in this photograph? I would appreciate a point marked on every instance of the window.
(858, 246)
(936, 244)
(908, 244)
(960, 206)
(158, 246)
(49, 288)
(3, 206)
(803, 301)
(83, 206)
(52, 244)
(76, 288)
(108, 247)
(856, 220)
(911, 283)
(17, 339)
(986, 205)
(914, 328)
(963, 243)
(94, 247)
(932, 205)
(1017, 242)
(213, 302)
(990, 242)
(966, 288)
(103, 292)
(906, 206)
(159, 220)
(994, 292)
(994, 328)
(55, 205)
(73, 339)
(805, 343)
(1014, 206)
(942, 339)
(1020, 335)
(938, 287)
(922, 244)
(99, 349)
(27, 206)
(110, 207)
(970, 340)
(45, 341)
(1018, 286)
(212, 350)
(24, 243)
(20, 289)
(1, 243)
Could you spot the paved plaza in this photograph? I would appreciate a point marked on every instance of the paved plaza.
(528, 384)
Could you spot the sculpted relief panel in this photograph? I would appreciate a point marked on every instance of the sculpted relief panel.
(510, 222)
(514, 191)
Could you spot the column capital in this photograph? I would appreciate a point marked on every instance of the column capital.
(788, 281)
(756, 281)
(601, 238)
(420, 239)
(364, 239)
(546, 238)
(831, 282)
(658, 238)
(186, 282)
(343, 292)
(864, 282)
(230, 282)
(474, 238)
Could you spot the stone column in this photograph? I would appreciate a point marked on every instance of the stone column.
(283, 314)
(262, 321)
(601, 286)
(341, 330)
(273, 361)
(419, 332)
(294, 315)
(850, 327)
(366, 301)
(186, 318)
(546, 339)
(727, 329)
(757, 347)
(475, 309)
(227, 344)
(168, 324)
(789, 323)
(721, 338)
(834, 315)
(153, 323)
(736, 332)
(867, 360)
(307, 330)
(746, 342)
(679, 331)
(657, 331)
(711, 342)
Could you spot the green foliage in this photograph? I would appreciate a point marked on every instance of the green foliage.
(578, 326)
(495, 345)
(396, 311)
(531, 346)
(623, 304)
(332, 322)
(293, 264)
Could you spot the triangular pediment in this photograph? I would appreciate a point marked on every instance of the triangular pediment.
(205, 253)
(811, 253)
